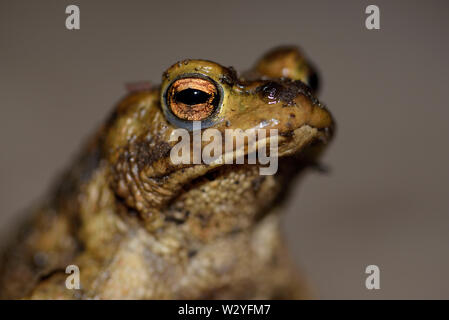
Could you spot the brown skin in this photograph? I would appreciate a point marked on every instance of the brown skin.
(140, 227)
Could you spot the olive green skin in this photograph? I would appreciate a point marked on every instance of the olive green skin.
(140, 227)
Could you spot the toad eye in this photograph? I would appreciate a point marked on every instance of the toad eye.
(313, 81)
(192, 99)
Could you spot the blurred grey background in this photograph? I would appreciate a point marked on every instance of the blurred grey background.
(385, 201)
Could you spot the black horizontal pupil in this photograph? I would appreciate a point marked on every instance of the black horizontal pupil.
(191, 96)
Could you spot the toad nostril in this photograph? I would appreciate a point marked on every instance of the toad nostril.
(270, 92)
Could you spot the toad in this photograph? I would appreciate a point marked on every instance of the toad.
(139, 226)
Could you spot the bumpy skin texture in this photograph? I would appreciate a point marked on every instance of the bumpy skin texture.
(140, 227)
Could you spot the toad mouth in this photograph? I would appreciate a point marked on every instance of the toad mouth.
(160, 181)
(290, 144)
(292, 157)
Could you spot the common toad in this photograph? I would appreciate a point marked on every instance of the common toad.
(140, 227)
